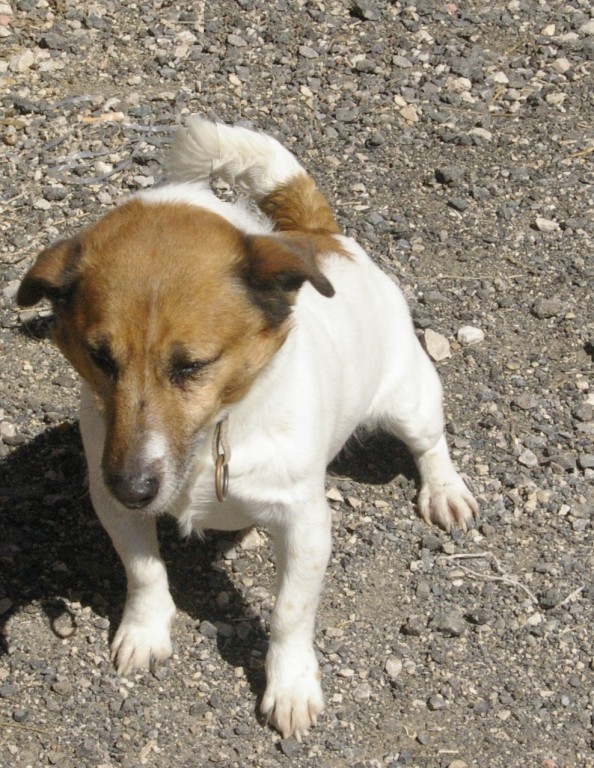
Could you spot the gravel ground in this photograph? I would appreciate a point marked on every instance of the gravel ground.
(456, 143)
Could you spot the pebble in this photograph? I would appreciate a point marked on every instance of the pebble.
(545, 308)
(436, 345)
(449, 174)
(469, 334)
(362, 692)
(62, 688)
(546, 225)
(450, 624)
(528, 459)
(290, 747)
(333, 494)
(393, 667)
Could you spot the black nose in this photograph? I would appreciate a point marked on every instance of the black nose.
(134, 490)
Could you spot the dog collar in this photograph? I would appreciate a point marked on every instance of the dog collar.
(222, 455)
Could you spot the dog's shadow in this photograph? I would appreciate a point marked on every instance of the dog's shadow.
(53, 550)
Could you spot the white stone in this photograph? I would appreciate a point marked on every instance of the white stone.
(501, 78)
(436, 345)
(482, 133)
(561, 65)
(546, 225)
(587, 28)
(251, 540)
(21, 62)
(469, 334)
(410, 114)
(393, 667)
(528, 458)
(333, 494)
(7, 429)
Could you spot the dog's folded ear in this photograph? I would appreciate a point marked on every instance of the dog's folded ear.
(276, 266)
(53, 275)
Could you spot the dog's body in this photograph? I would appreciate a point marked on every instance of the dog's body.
(188, 318)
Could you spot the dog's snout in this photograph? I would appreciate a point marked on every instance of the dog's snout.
(134, 490)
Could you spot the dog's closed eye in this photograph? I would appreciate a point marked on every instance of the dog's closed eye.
(103, 359)
(182, 372)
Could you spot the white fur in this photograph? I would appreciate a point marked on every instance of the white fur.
(349, 360)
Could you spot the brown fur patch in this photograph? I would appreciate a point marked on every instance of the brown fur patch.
(299, 206)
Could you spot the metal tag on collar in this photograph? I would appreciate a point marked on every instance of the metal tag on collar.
(222, 453)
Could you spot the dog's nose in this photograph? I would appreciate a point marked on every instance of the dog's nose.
(134, 491)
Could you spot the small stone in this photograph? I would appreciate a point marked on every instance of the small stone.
(207, 629)
(525, 401)
(393, 667)
(436, 345)
(354, 503)
(450, 624)
(500, 77)
(562, 65)
(423, 738)
(410, 114)
(585, 461)
(457, 764)
(289, 747)
(436, 702)
(21, 62)
(545, 308)
(449, 174)
(469, 334)
(62, 688)
(528, 459)
(414, 627)
(251, 540)
(362, 692)
(481, 133)
(587, 28)
(333, 494)
(458, 204)
(236, 41)
(307, 52)
(546, 225)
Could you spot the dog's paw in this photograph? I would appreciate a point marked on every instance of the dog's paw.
(448, 504)
(293, 698)
(143, 637)
(140, 646)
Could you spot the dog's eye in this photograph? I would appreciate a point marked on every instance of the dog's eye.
(102, 358)
(183, 372)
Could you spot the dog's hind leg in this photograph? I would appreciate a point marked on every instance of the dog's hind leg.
(268, 172)
(411, 408)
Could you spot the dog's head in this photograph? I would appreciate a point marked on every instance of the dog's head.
(169, 313)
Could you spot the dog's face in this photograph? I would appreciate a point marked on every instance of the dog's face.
(169, 313)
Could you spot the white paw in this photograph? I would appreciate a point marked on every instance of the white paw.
(293, 698)
(448, 504)
(142, 639)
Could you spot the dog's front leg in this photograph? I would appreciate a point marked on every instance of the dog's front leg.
(143, 636)
(293, 698)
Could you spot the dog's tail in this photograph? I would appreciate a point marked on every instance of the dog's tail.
(267, 171)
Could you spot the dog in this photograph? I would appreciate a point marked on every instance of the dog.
(226, 355)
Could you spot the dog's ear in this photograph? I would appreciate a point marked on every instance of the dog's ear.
(275, 267)
(53, 275)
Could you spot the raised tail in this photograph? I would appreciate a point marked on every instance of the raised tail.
(257, 163)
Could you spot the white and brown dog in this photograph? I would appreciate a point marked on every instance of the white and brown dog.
(198, 326)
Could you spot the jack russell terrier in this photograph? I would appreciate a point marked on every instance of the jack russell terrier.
(226, 357)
